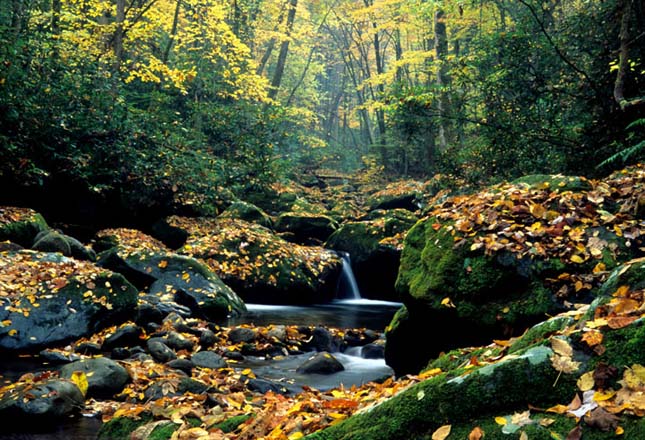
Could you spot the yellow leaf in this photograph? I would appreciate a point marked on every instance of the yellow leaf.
(600, 322)
(586, 382)
(600, 267)
(163, 264)
(558, 409)
(599, 396)
(447, 302)
(442, 432)
(619, 430)
(13, 332)
(430, 373)
(524, 436)
(576, 259)
(501, 420)
(80, 379)
(506, 310)
(561, 347)
(296, 436)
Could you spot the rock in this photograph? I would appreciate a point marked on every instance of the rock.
(374, 250)
(181, 364)
(169, 388)
(160, 351)
(173, 280)
(322, 340)
(55, 241)
(248, 212)
(207, 338)
(321, 363)
(557, 182)
(120, 353)
(263, 386)
(402, 195)
(469, 276)
(88, 348)
(53, 357)
(208, 359)
(177, 341)
(242, 334)
(373, 351)
(125, 336)
(105, 377)
(260, 266)
(306, 226)
(34, 402)
(71, 299)
(20, 225)
(278, 332)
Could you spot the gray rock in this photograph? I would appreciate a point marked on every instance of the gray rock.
(49, 399)
(177, 341)
(125, 336)
(373, 351)
(160, 351)
(208, 359)
(207, 338)
(105, 377)
(321, 363)
(242, 334)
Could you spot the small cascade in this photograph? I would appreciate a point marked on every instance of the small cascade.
(347, 287)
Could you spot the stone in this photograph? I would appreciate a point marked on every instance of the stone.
(177, 341)
(160, 351)
(181, 364)
(248, 212)
(124, 336)
(34, 402)
(208, 359)
(105, 377)
(242, 334)
(373, 351)
(20, 225)
(320, 363)
(263, 386)
(207, 338)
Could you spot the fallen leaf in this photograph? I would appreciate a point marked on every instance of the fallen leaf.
(442, 432)
(575, 433)
(80, 379)
(586, 381)
(476, 434)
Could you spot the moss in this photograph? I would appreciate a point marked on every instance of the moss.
(23, 232)
(231, 424)
(163, 432)
(539, 332)
(491, 390)
(624, 347)
(122, 427)
(555, 182)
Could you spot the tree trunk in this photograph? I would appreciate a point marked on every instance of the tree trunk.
(173, 32)
(441, 48)
(625, 9)
(55, 17)
(284, 50)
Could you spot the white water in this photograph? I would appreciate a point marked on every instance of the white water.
(347, 286)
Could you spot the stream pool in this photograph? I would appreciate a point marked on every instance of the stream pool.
(349, 313)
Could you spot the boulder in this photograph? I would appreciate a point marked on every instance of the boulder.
(491, 264)
(306, 227)
(105, 377)
(320, 363)
(403, 195)
(33, 402)
(160, 351)
(260, 266)
(20, 225)
(248, 212)
(49, 299)
(208, 359)
(242, 334)
(374, 248)
(55, 241)
(172, 278)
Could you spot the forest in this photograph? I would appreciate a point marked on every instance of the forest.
(331, 219)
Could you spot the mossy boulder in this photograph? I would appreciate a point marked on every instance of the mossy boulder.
(55, 241)
(248, 212)
(407, 194)
(171, 277)
(555, 182)
(20, 225)
(49, 299)
(306, 227)
(374, 247)
(490, 264)
(258, 264)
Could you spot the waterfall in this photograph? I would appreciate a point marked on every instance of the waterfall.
(347, 287)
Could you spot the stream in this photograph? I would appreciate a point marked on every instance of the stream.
(348, 311)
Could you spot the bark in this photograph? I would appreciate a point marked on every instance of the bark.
(284, 50)
(441, 48)
(271, 45)
(625, 8)
(173, 33)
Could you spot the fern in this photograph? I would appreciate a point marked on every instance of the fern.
(630, 151)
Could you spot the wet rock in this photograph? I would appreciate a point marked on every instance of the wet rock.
(160, 351)
(398, 195)
(306, 226)
(248, 212)
(322, 340)
(57, 358)
(373, 351)
(242, 334)
(208, 359)
(170, 388)
(321, 363)
(73, 299)
(263, 386)
(55, 241)
(50, 400)
(125, 336)
(88, 348)
(120, 353)
(278, 332)
(105, 377)
(235, 355)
